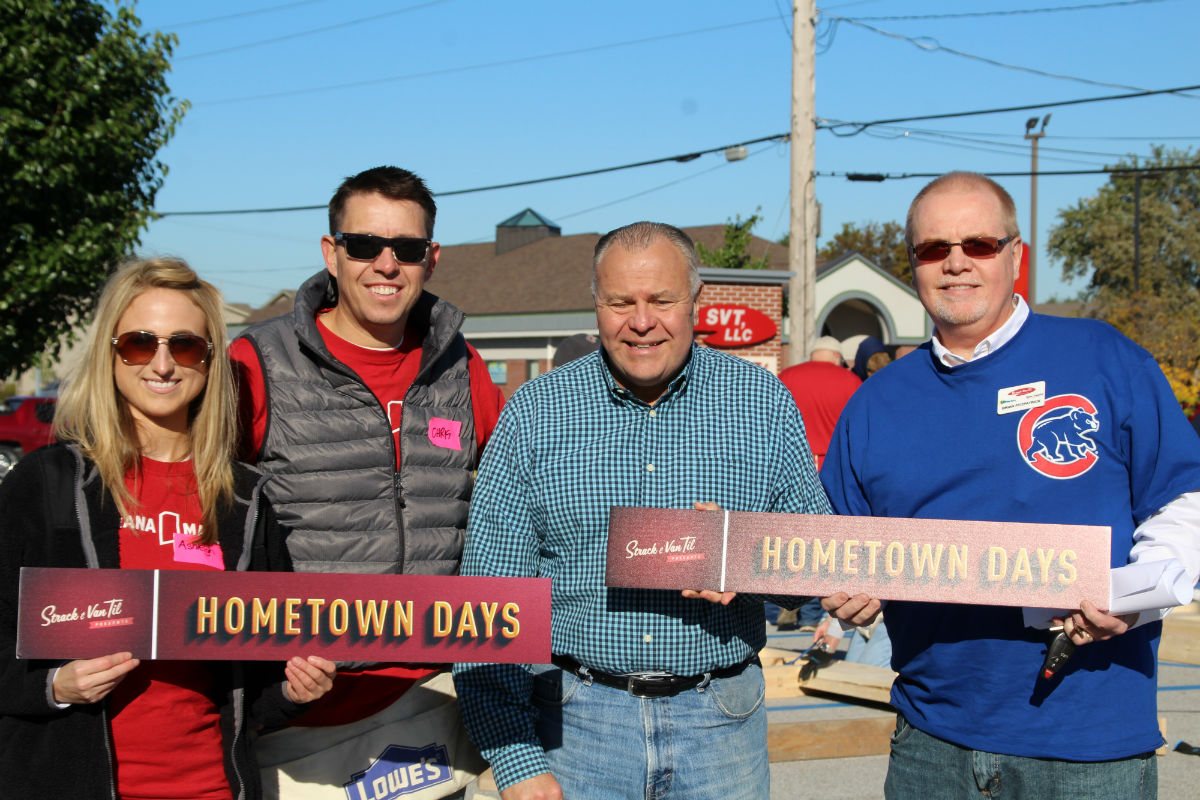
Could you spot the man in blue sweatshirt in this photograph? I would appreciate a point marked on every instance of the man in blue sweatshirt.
(1106, 445)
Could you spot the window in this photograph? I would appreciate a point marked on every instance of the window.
(498, 371)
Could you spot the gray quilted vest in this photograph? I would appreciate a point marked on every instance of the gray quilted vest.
(328, 446)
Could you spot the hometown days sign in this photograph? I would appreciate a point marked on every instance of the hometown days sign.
(269, 616)
(951, 561)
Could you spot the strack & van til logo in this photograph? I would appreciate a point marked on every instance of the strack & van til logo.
(1056, 437)
(399, 771)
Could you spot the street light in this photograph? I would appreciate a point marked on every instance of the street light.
(1031, 239)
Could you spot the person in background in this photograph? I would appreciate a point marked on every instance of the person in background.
(820, 386)
(146, 429)
(849, 348)
(827, 349)
(871, 357)
(574, 346)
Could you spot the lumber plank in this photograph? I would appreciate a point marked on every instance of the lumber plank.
(857, 681)
(830, 738)
(1180, 639)
(787, 675)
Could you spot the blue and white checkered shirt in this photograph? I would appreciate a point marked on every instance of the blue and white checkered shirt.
(572, 444)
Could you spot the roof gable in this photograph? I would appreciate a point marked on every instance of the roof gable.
(527, 219)
(551, 274)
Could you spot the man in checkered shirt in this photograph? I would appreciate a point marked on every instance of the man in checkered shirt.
(651, 693)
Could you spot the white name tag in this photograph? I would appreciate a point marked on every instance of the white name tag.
(1019, 398)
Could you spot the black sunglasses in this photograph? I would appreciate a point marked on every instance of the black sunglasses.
(365, 247)
(975, 247)
(139, 347)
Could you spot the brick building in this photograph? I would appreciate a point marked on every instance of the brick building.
(530, 289)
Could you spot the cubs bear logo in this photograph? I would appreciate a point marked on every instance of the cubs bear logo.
(1056, 437)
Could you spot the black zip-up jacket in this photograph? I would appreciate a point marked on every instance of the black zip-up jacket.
(54, 512)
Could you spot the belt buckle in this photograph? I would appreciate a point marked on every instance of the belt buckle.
(640, 687)
(667, 686)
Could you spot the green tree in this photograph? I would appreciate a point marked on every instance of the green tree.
(1157, 304)
(1095, 237)
(1166, 324)
(735, 253)
(84, 108)
(881, 242)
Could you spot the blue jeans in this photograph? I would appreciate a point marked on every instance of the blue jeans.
(706, 743)
(876, 651)
(924, 767)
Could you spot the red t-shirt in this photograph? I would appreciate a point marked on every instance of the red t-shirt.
(388, 373)
(821, 391)
(165, 714)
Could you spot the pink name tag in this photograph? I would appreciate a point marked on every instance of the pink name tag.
(445, 433)
(187, 550)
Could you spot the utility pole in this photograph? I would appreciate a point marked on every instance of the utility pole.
(1031, 239)
(802, 241)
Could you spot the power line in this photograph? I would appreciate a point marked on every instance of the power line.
(878, 177)
(310, 32)
(1012, 12)
(1049, 137)
(685, 157)
(928, 43)
(1001, 148)
(486, 65)
(783, 20)
(239, 14)
(862, 126)
(652, 189)
(901, 133)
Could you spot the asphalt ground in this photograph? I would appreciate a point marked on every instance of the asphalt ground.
(861, 777)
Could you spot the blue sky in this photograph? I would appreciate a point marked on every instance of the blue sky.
(288, 98)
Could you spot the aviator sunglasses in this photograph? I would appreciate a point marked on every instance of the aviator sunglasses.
(139, 347)
(975, 247)
(365, 247)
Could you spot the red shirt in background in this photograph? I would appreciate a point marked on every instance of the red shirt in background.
(821, 391)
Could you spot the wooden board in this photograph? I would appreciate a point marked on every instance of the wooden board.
(851, 681)
(830, 738)
(1180, 639)
(788, 675)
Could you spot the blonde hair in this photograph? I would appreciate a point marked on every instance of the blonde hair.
(91, 413)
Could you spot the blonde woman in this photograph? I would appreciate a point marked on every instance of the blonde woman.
(147, 433)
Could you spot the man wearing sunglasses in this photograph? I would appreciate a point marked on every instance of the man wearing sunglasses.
(368, 410)
(1010, 416)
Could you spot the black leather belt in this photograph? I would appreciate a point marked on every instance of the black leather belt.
(656, 686)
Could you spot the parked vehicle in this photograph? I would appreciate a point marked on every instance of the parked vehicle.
(25, 425)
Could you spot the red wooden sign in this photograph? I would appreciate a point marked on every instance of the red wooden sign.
(734, 326)
(271, 616)
(935, 560)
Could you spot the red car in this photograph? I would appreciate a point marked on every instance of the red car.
(25, 425)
